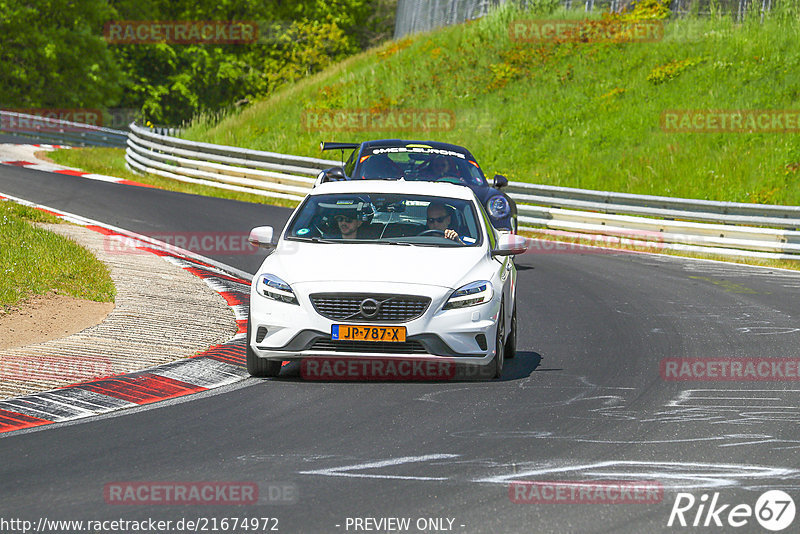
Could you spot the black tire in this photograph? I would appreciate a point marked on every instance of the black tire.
(500, 349)
(511, 341)
(260, 367)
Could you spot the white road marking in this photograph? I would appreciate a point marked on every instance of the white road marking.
(346, 470)
(671, 475)
(767, 330)
(693, 475)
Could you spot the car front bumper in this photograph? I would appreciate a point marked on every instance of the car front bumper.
(295, 332)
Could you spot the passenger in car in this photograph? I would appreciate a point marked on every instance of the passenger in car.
(348, 225)
(380, 167)
(352, 227)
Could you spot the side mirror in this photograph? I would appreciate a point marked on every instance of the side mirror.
(261, 236)
(334, 174)
(500, 181)
(511, 245)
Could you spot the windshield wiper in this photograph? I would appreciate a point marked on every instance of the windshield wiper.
(439, 245)
(415, 244)
(315, 239)
(391, 243)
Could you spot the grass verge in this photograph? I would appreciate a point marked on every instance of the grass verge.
(35, 261)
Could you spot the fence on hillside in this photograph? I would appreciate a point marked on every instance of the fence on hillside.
(423, 15)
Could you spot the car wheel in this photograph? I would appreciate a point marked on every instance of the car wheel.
(499, 356)
(511, 341)
(260, 367)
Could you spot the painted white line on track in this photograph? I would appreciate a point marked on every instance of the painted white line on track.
(347, 470)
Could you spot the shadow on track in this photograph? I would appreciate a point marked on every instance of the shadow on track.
(525, 363)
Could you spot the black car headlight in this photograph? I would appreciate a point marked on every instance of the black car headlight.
(471, 294)
(498, 207)
(274, 288)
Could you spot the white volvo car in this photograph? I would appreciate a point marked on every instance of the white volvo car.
(385, 269)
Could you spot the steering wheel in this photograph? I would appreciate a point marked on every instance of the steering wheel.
(432, 231)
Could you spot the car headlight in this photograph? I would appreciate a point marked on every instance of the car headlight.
(274, 288)
(471, 294)
(498, 207)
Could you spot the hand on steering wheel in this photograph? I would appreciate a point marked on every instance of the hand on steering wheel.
(448, 233)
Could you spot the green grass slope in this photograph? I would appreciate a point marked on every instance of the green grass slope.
(34, 261)
(577, 114)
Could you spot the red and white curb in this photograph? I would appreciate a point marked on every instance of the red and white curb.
(217, 366)
(51, 147)
(31, 163)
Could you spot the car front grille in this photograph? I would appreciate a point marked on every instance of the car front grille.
(391, 308)
(381, 347)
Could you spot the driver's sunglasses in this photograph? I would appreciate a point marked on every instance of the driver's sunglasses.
(343, 218)
(437, 219)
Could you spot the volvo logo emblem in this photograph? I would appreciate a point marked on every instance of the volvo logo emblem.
(369, 308)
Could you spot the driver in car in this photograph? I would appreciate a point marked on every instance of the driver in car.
(442, 167)
(439, 218)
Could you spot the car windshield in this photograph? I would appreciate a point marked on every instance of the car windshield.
(419, 163)
(387, 218)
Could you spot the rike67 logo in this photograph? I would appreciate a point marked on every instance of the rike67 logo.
(774, 510)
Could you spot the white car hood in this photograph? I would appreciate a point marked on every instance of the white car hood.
(298, 262)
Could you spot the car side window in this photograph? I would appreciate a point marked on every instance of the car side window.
(351, 164)
(490, 231)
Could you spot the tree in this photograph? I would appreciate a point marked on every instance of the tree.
(52, 55)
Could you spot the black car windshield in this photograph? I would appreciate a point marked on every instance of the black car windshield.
(387, 218)
(418, 163)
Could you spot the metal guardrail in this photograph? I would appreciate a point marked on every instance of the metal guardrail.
(668, 207)
(725, 228)
(61, 132)
(239, 169)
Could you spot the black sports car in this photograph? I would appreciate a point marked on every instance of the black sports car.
(395, 159)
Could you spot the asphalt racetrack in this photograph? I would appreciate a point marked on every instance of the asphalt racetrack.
(586, 399)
